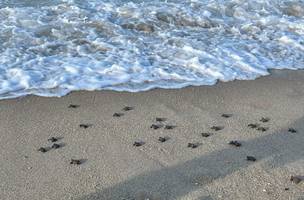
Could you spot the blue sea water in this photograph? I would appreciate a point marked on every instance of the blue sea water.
(52, 47)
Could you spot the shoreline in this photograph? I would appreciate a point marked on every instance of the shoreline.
(181, 86)
(112, 168)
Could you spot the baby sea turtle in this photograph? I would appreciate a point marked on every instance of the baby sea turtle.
(155, 126)
(206, 134)
(262, 129)
(163, 139)
(217, 128)
(193, 145)
(42, 149)
(73, 106)
(160, 119)
(235, 143)
(292, 130)
(264, 119)
(138, 143)
(75, 162)
(253, 125)
(226, 115)
(297, 179)
(85, 126)
(169, 127)
(127, 108)
(56, 146)
(118, 114)
(53, 139)
(251, 158)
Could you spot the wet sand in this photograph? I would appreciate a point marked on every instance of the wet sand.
(113, 166)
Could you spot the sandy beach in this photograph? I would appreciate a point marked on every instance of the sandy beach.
(113, 168)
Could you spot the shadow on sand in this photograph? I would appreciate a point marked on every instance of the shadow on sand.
(180, 180)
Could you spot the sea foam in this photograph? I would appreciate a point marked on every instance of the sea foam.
(50, 49)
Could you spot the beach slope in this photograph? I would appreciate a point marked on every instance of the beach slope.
(112, 167)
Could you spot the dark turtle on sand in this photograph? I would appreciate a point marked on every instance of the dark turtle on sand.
(128, 108)
(206, 134)
(85, 126)
(160, 119)
(118, 114)
(193, 145)
(251, 158)
(235, 143)
(169, 127)
(73, 106)
(226, 115)
(262, 129)
(253, 125)
(264, 119)
(155, 126)
(53, 139)
(75, 162)
(297, 179)
(217, 128)
(42, 149)
(292, 130)
(163, 139)
(138, 143)
(56, 146)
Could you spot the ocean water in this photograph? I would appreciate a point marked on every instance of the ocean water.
(52, 47)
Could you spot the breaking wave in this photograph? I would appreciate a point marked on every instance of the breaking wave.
(50, 48)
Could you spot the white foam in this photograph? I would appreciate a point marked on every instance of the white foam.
(54, 48)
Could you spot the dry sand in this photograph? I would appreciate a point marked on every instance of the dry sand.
(114, 169)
